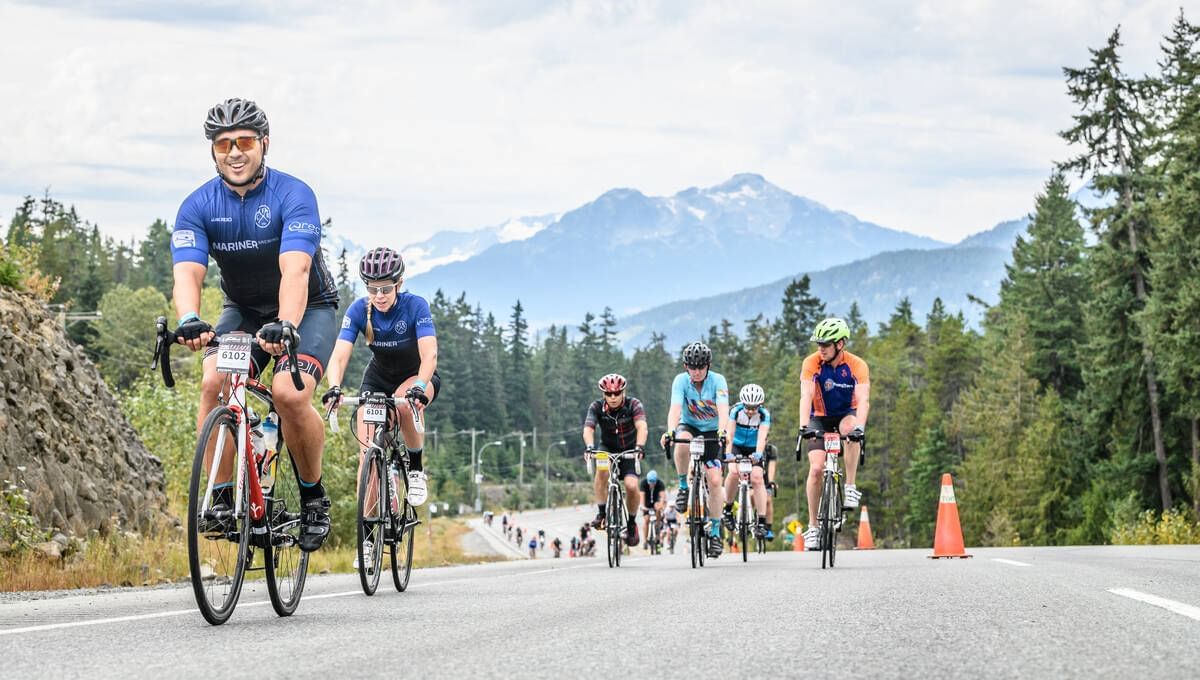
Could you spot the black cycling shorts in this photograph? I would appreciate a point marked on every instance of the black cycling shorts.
(823, 424)
(318, 330)
(375, 380)
(712, 447)
(748, 451)
(626, 467)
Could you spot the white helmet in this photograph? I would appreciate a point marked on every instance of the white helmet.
(752, 395)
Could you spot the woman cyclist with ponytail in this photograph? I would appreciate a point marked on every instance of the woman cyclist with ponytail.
(400, 334)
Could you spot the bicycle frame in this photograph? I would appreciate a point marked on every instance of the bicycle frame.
(616, 495)
(233, 395)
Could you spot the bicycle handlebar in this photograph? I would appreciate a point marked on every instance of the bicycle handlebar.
(165, 337)
(378, 397)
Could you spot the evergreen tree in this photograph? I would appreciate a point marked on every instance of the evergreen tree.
(1172, 315)
(1045, 284)
(801, 313)
(517, 368)
(1117, 136)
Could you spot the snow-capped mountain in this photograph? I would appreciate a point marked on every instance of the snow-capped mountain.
(630, 251)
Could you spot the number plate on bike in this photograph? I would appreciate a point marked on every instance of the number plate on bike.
(601, 460)
(233, 353)
(833, 442)
(696, 448)
(745, 467)
(374, 413)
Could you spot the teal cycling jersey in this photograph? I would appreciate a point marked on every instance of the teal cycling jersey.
(745, 432)
(700, 405)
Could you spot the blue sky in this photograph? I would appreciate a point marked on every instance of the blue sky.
(937, 119)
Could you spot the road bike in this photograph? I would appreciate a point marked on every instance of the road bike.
(746, 520)
(697, 504)
(653, 531)
(385, 517)
(830, 512)
(617, 519)
(244, 489)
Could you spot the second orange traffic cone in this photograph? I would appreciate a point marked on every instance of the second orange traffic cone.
(798, 542)
(865, 542)
(947, 538)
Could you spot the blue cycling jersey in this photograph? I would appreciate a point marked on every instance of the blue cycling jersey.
(245, 235)
(746, 425)
(700, 406)
(396, 332)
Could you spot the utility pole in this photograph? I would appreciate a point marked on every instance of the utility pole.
(561, 442)
(521, 466)
(475, 469)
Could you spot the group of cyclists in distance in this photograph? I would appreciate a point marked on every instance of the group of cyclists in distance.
(263, 229)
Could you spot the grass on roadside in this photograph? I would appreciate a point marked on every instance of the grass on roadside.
(133, 560)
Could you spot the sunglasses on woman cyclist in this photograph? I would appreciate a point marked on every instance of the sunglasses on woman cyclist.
(613, 394)
(244, 144)
(381, 290)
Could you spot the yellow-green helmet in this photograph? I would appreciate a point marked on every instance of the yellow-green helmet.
(830, 330)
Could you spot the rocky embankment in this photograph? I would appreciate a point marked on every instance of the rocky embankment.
(62, 435)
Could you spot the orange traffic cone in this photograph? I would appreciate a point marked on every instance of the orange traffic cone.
(947, 539)
(865, 542)
(735, 547)
(798, 541)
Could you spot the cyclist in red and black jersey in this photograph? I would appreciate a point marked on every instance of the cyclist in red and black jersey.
(621, 421)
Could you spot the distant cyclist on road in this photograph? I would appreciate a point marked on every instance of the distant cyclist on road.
(399, 331)
(699, 408)
(262, 228)
(749, 425)
(621, 421)
(654, 494)
(835, 394)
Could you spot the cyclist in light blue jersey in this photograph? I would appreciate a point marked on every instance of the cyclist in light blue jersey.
(699, 408)
(749, 425)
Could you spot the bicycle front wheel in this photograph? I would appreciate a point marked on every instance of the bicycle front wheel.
(372, 509)
(402, 547)
(218, 535)
(825, 520)
(287, 564)
(614, 523)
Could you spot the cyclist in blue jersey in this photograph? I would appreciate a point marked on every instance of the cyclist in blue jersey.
(749, 425)
(264, 232)
(699, 408)
(400, 334)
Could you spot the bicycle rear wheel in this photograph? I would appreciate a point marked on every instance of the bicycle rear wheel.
(286, 563)
(218, 542)
(372, 509)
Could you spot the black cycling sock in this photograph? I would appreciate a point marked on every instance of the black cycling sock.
(414, 459)
(603, 508)
(309, 491)
(729, 507)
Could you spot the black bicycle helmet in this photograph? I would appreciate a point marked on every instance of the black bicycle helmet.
(236, 114)
(697, 355)
(381, 263)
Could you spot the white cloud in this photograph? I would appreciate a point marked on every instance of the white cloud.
(940, 119)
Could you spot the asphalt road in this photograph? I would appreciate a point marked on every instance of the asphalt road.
(1006, 613)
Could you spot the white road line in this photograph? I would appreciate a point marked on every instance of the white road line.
(1187, 610)
(1012, 562)
(262, 603)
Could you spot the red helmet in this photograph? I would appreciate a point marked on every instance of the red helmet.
(612, 382)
